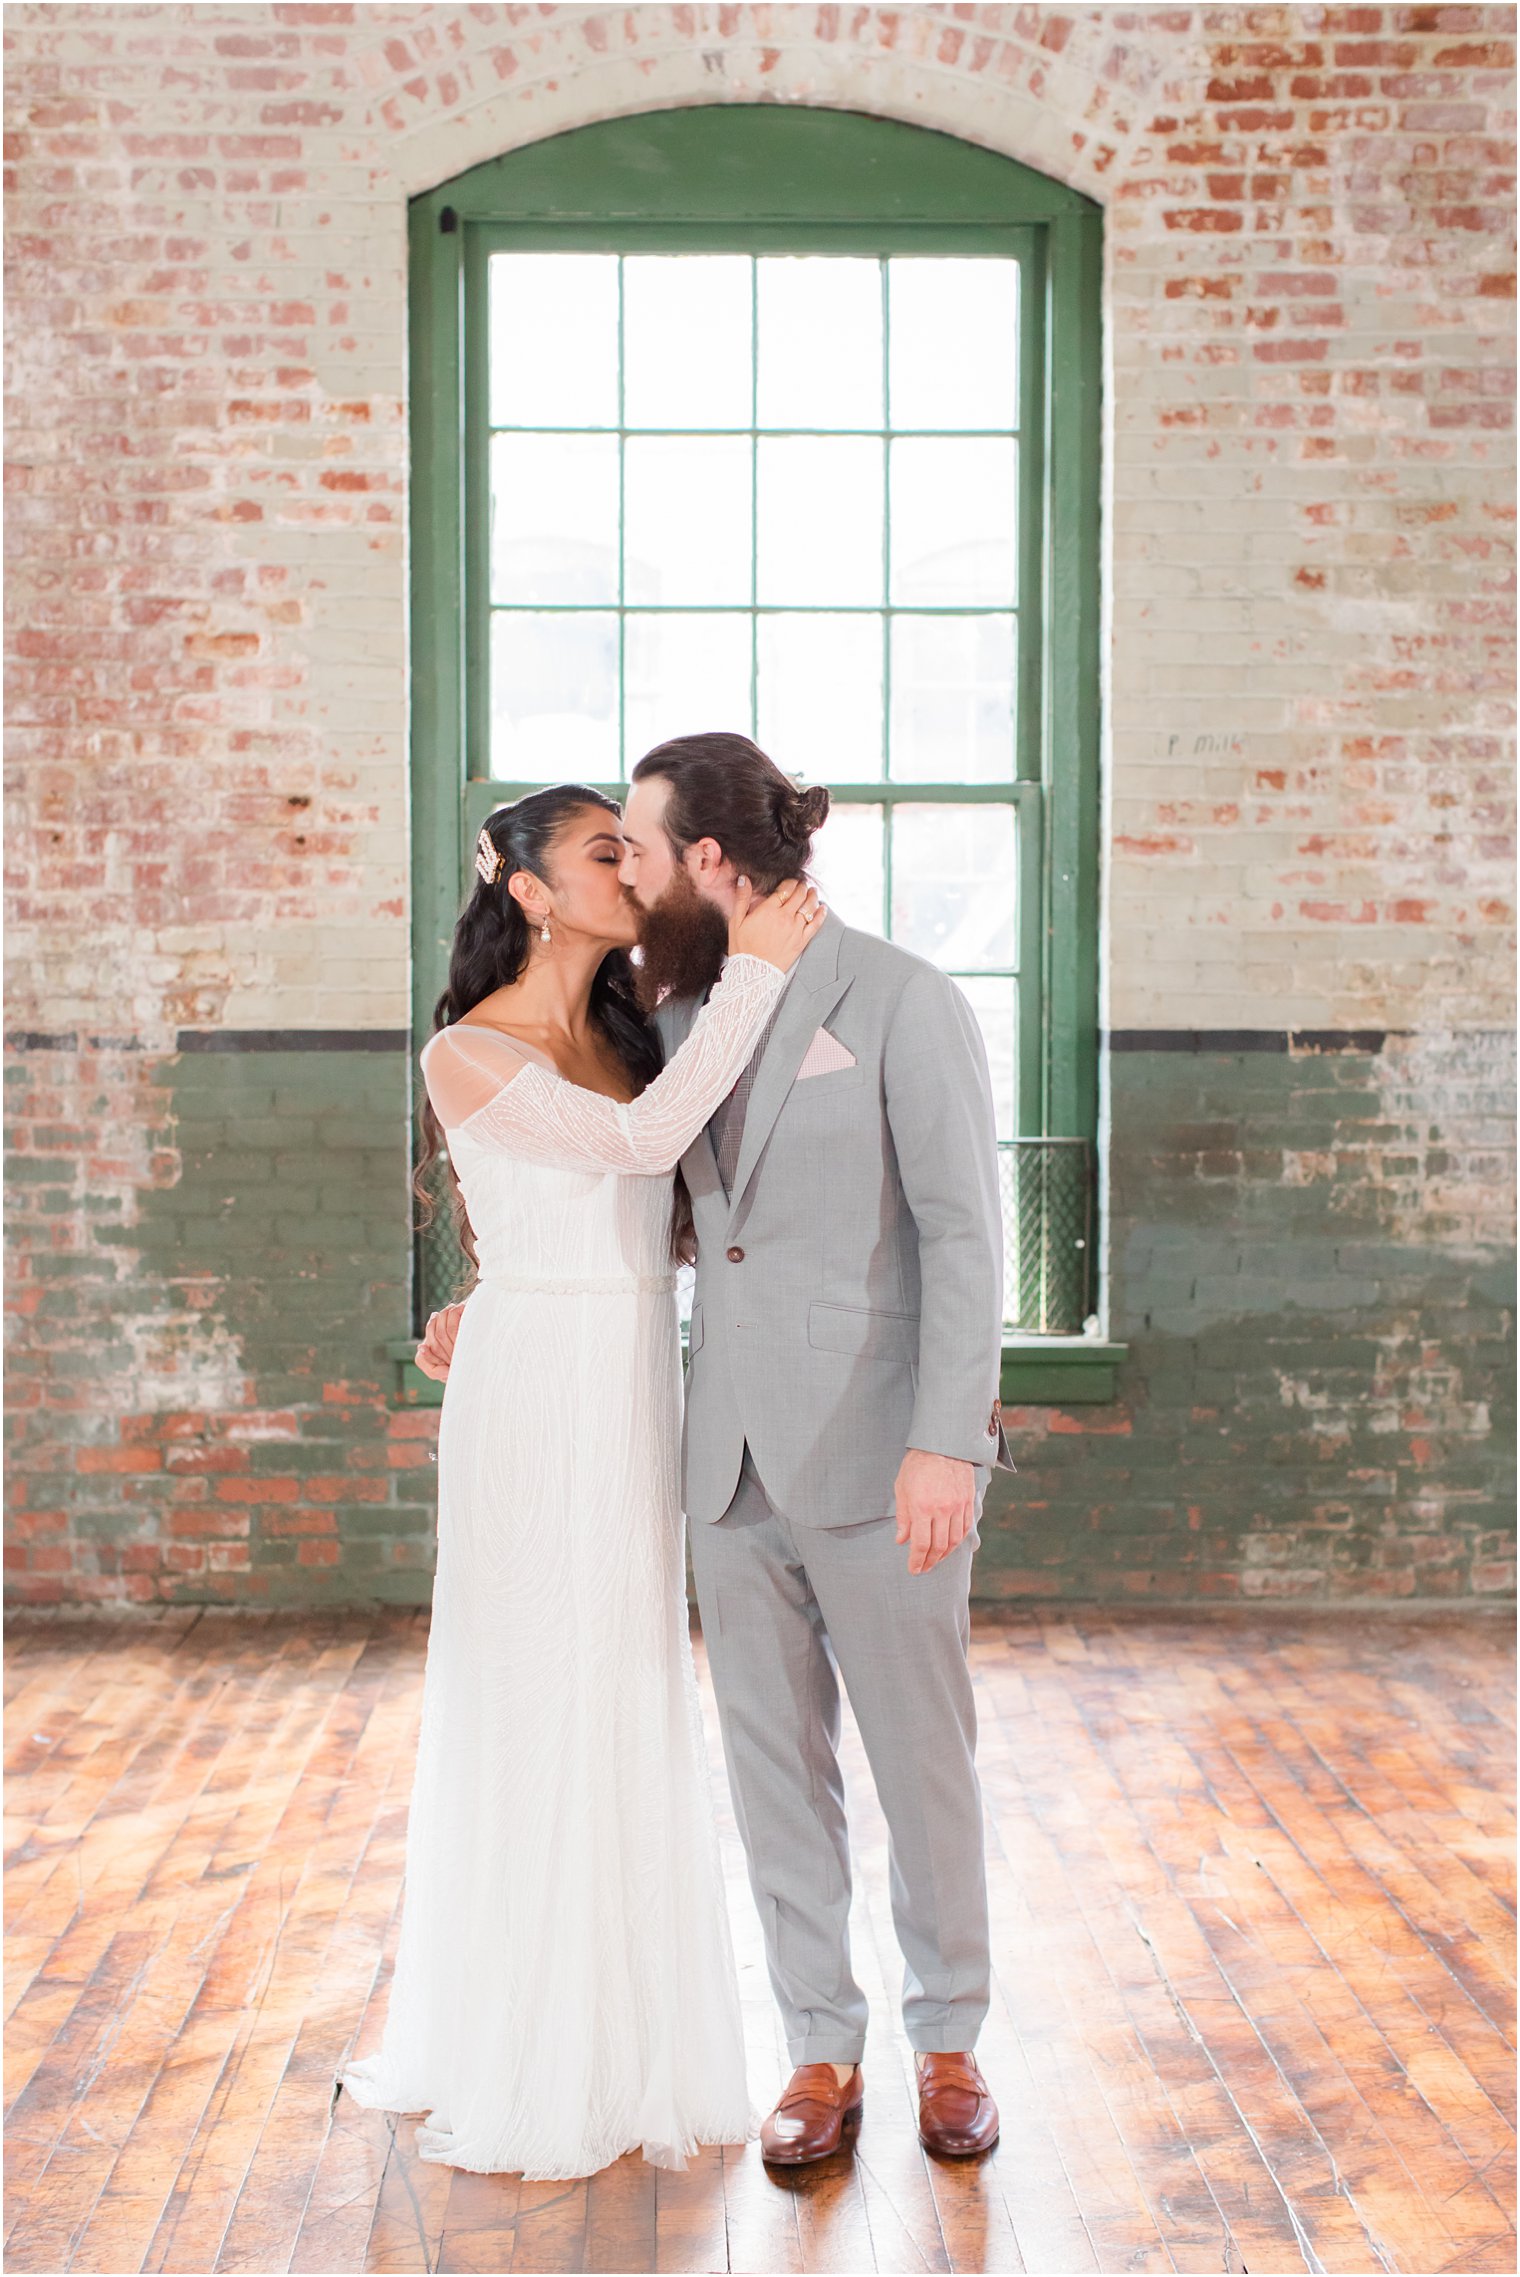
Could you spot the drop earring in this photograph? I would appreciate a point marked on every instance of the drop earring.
(544, 931)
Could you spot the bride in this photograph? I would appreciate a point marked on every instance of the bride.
(564, 1987)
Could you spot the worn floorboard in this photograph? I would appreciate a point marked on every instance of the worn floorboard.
(1252, 1892)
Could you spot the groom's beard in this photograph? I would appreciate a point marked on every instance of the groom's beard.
(683, 940)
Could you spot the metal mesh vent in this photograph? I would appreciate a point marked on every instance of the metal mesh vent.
(1047, 1234)
(444, 1273)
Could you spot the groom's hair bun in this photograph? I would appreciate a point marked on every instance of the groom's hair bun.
(724, 786)
(804, 812)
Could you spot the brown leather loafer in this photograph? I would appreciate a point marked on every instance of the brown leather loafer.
(956, 2115)
(813, 2116)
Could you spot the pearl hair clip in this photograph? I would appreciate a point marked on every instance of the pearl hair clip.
(488, 861)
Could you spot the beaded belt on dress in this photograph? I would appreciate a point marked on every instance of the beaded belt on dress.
(645, 1283)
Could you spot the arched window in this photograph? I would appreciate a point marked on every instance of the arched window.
(785, 420)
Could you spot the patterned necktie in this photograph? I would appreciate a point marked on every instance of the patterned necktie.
(726, 1124)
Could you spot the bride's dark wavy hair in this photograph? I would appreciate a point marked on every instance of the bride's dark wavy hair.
(490, 949)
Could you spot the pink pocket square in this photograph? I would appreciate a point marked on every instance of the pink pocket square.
(824, 1055)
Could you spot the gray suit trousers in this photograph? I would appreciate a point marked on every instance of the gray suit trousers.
(787, 1611)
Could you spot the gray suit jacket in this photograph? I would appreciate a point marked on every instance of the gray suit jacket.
(849, 1297)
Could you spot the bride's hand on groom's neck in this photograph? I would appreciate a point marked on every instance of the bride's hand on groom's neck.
(777, 928)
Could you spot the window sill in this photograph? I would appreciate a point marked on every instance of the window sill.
(1060, 1371)
(1038, 1371)
(411, 1388)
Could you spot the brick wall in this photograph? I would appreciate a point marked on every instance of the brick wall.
(1308, 821)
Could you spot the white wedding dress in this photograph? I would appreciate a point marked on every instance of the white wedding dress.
(564, 1987)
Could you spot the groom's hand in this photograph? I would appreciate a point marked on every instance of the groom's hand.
(936, 1503)
(437, 1347)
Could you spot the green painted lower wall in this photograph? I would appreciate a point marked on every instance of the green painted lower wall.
(1317, 1401)
(217, 1421)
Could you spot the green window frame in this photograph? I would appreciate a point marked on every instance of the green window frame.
(756, 179)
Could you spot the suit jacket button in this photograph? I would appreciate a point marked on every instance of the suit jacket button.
(735, 1256)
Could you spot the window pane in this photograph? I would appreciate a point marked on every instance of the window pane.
(686, 340)
(686, 506)
(820, 342)
(954, 884)
(554, 518)
(848, 856)
(953, 699)
(953, 521)
(684, 675)
(955, 342)
(554, 697)
(552, 339)
(995, 1004)
(820, 521)
(820, 696)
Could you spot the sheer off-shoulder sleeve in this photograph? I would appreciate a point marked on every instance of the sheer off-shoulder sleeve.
(478, 1083)
(464, 1067)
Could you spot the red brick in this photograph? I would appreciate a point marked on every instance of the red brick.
(346, 1489)
(201, 1461)
(258, 1489)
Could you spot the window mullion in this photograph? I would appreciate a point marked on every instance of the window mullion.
(622, 542)
(886, 597)
(754, 495)
(886, 542)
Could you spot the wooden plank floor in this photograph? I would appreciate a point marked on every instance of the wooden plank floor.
(1252, 1893)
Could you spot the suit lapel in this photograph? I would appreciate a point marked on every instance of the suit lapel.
(815, 988)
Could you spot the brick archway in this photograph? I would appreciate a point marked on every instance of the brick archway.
(1068, 92)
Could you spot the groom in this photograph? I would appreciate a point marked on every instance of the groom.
(842, 1422)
